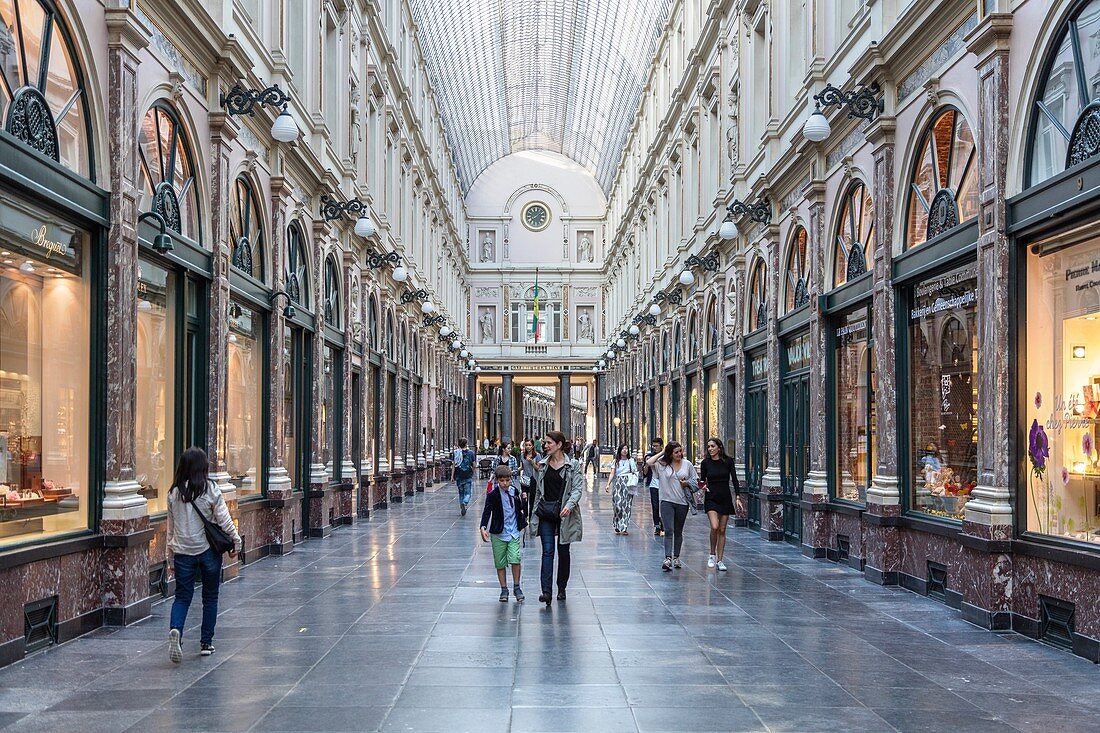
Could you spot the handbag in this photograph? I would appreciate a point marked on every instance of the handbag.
(215, 535)
(695, 496)
(548, 511)
(631, 480)
(524, 480)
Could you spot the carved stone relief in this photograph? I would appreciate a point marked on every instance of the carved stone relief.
(586, 250)
(486, 325)
(487, 242)
(486, 292)
(586, 331)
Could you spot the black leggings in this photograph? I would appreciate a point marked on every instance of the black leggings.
(673, 517)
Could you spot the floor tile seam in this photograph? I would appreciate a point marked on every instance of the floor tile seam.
(431, 632)
(389, 708)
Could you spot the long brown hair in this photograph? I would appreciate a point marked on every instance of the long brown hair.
(558, 437)
(192, 473)
(721, 450)
(670, 448)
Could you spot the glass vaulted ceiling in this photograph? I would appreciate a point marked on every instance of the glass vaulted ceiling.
(560, 75)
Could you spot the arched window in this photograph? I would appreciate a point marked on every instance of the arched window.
(664, 352)
(389, 335)
(855, 239)
(712, 334)
(1067, 110)
(943, 191)
(798, 289)
(332, 294)
(246, 230)
(41, 85)
(403, 347)
(677, 346)
(757, 303)
(693, 337)
(416, 353)
(296, 266)
(372, 317)
(168, 169)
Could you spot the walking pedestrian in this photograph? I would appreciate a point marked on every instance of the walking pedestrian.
(463, 474)
(559, 486)
(718, 474)
(592, 457)
(529, 463)
(675, 476)
(622, 482)
(193, 498)
(504, 519)
(649, 478)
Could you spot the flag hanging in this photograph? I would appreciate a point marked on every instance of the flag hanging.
(535, 320)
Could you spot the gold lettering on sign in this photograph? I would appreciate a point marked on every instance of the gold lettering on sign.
(38, 238)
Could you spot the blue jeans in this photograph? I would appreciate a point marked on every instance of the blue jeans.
(548, 533)
(208, 566)
(465, 490)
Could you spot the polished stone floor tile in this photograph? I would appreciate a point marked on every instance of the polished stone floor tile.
(394, 624)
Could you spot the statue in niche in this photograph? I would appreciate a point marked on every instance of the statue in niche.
(487, 248)
(488, 330)
(356, 123)
(584, 327)
(585, 252)
(731, 130)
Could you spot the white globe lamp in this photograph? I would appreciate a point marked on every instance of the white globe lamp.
(445, 331)
(654, 310)
(364, 227)
(284, 129)
(399, 274)
(634, 330)
(621, 343)
(428, 307)
(687, 277)
(816, 128)
(728, 230)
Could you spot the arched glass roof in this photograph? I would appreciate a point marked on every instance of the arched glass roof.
(560, 75)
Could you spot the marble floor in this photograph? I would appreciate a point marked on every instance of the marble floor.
(394, 624)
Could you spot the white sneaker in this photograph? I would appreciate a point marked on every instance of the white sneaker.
(175, 652)
(721, 566)
(710, 561)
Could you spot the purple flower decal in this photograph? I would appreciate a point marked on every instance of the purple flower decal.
(1065, 476)
(1038, 448)
(1038, 400)
(1086, 444)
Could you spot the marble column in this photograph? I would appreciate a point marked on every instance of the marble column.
(507, 389)
(564, 400)
(737, 337)
(348, 470)
(771, 489)
(320, 490)
(278, 534)
(988, 514)
(471, 409)
(815, 490)
(125, 512)
(598, 404)
(882, 541)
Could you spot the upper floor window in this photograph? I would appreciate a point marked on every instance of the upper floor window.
(677, 346)
(711, 329)
(536, 325)
(798, 290)
(943, 189)
(332, 293)
(246, 231)
(169, 171)
(41, 86)
(855, 238)
(757, 303)
(1067, 109)
(296, 266)
(372, 319)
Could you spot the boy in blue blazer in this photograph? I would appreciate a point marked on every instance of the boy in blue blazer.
(504, 520)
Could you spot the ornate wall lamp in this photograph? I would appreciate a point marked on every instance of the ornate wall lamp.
(708, 263)
(866, 102)
(673, 298)
(376, 261)
(288, 311)
(760, 212)
(433, 320)
(331, 209)
(240, 100)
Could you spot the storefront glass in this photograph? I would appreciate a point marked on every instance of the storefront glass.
(712, 403)
(245, 409)
(330, 417)
(854, 459)
(44, 375)
(1062, 414)
(943, 391)
(155, 414)
(944, 191)
(693, 421)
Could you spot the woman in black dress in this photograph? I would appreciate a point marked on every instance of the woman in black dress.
(720, 478)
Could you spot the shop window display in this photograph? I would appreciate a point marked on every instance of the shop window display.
(154, 423)
(329, 417)
(245, 407)
(44, 375)
(943, 391)
(1062, 413)
(854, 406)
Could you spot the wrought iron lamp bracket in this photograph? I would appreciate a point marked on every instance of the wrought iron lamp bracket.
(673, 298)
(648, 319)
(331, 209)
(240, 100)
(709, 262)
(377, 261)
(410, 295)
(866, 102)
(759, 212)
(433, 320)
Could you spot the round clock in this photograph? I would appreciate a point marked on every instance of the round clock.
(536, 216)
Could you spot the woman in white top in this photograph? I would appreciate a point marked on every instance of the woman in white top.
(193, 493)
(674, 476)
(622, 500)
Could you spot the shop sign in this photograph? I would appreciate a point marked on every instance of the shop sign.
(797, 353)
(758, 367)
(849, 331)
(945, 293)
(1075, 273)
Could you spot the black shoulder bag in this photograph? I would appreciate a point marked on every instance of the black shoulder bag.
(218, 538)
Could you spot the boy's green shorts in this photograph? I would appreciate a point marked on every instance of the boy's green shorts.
(505, 552)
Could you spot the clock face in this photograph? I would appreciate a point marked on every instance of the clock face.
(536, 216)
